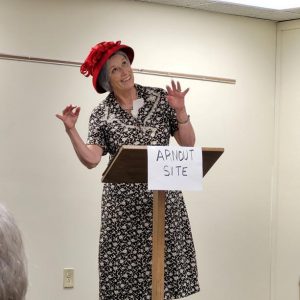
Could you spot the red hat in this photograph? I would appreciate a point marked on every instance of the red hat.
(98, 56)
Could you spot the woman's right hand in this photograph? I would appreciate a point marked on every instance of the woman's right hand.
(69, 116)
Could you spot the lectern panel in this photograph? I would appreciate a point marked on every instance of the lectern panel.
(130, 165)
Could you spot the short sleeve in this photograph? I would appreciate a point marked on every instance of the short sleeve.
(97, 128)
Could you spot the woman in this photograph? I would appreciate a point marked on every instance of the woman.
(134, 115)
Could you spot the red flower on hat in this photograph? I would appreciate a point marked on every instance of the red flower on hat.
(95, 56)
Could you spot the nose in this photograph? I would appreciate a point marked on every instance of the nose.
(123, 70)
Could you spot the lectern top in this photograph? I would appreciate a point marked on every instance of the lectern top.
(130, 164)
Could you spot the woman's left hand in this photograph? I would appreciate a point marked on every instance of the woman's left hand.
(176, 96)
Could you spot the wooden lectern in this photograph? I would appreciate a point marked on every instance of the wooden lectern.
(130, 165)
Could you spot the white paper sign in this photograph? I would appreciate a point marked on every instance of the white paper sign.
(174, 168)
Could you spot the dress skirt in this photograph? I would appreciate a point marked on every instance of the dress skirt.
(125, 251)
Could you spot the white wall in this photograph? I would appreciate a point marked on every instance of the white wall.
(57, 201)
(287, 209)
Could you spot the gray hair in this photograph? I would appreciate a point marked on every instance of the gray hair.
(13, 264)
(103, 78)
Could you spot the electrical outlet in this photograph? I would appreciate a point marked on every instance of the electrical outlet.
(68, 278)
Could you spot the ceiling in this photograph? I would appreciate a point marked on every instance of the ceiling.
(234, 9)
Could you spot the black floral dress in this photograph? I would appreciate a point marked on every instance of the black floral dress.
(125, 247)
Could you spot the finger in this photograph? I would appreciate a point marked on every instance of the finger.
(168, 89)
(185, 91)
(178, 86)
(59, 117)
(73, 109)
(77, 111)
(67, 109)
(173, 85)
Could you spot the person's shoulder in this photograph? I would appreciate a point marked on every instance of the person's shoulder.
(100, 107)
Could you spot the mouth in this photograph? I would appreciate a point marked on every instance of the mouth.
(126, 79)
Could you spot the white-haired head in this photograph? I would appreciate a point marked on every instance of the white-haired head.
(13, 265)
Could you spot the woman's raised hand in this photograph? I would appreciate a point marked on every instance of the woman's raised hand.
(69, 116)
(176, 96)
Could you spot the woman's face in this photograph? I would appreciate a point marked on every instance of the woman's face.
(120, 73)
